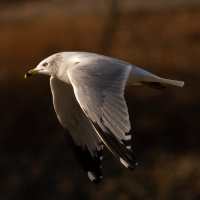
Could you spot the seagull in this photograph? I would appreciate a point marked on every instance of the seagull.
(88, 98)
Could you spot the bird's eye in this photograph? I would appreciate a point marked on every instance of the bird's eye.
(45, 64)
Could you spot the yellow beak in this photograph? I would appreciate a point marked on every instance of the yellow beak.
(31, 72)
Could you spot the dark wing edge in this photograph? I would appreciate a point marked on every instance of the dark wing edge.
(124, 155)
(91, 165)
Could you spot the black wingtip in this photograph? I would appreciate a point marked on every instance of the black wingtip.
(133, 167)
(90, 164)
(125, 155)
(95, 179)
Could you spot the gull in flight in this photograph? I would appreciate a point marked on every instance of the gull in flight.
(88, 98)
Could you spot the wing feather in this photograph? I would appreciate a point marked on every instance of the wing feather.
(99, 89)
(81, 137)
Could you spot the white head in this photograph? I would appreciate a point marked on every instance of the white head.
(49, 66)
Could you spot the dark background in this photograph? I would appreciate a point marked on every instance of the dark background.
(162, 37)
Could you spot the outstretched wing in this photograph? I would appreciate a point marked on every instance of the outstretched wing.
(81, 137)
(99, 89)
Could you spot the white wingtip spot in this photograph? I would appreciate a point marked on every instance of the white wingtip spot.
(101, 157)
(128, 147)
(128, 137)
(123, 162)
(91, 175)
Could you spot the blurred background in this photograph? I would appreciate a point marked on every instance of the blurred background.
(162, 37)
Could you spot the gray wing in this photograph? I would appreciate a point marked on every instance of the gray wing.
(99, 89)
(81, 137)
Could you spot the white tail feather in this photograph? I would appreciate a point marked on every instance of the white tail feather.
(171, 82)
(138, 75)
